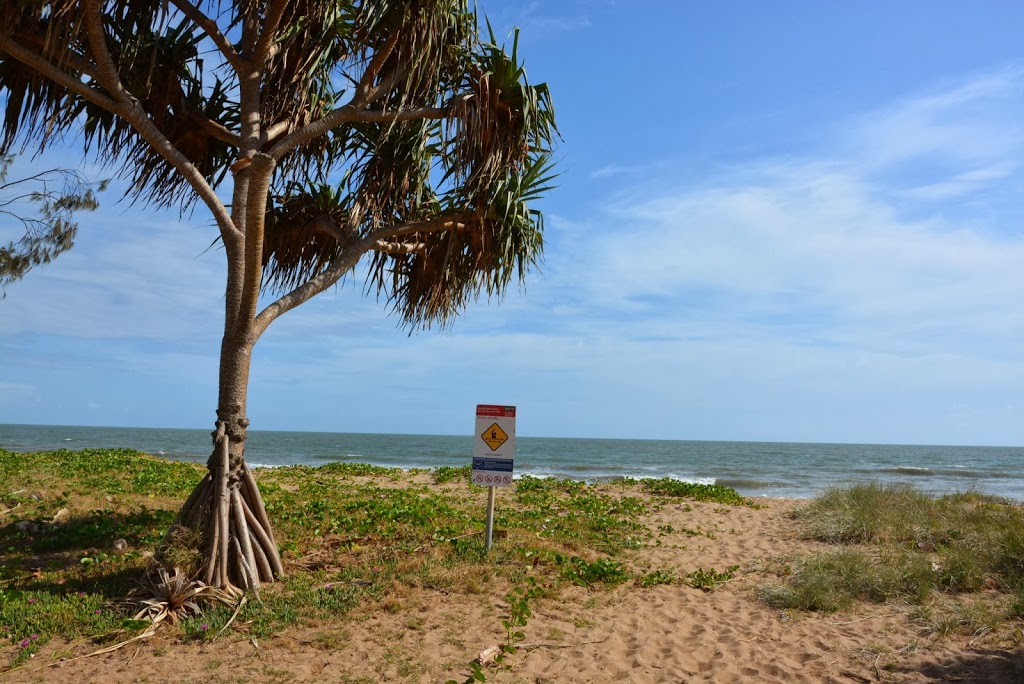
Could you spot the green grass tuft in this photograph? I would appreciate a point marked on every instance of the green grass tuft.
(906, 545)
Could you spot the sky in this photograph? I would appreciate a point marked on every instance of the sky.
(787, 221)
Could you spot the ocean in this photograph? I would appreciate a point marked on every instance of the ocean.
(797, 470)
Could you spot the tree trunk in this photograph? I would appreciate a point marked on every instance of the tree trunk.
(239, 551)
(226, 508)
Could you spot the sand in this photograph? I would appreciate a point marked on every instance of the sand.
(672, 633)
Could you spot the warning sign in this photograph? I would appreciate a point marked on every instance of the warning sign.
(494, 436)
(494, 445)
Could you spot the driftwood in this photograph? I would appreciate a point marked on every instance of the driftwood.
(239, 551)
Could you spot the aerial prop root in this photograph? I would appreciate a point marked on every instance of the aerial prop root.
(239, 551)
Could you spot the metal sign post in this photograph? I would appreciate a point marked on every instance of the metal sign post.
(489, 537)
(494, 448)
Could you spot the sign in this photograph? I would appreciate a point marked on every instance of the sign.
(494, 445)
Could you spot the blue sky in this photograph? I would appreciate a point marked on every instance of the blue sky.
(788, 221)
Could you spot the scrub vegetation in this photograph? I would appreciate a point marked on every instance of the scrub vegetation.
(79, 530)
(957, 560)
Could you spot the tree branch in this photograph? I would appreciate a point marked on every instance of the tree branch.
(350, 114)
(58, 76)
(373, 69)
(216, 130)
(107, 73)
(266, 40)
(435, 225)
(353, 252)
(329, 227)
(312, 287)
(378, 91)
(210, 28)
(268, 134)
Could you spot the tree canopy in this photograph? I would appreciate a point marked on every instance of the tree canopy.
(385, 119)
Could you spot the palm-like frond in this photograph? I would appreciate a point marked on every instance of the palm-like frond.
(158, 60)
(500, 239)
(173, 596)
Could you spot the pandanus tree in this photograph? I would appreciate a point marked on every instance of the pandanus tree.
(316, 133)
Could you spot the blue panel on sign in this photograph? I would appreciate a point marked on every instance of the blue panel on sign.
(501, 465)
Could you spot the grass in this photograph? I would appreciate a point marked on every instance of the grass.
(350, 535)
(896, 543)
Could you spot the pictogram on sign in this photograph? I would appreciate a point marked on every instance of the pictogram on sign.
(494, 436)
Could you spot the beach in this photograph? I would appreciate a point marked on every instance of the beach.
(673, 632)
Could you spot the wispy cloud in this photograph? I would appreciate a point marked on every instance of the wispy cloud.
(959, 185)
(972, 122)
(538, 17)
(621, 170)
(127, 277)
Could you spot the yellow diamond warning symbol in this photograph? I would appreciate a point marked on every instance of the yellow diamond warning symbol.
(494, 436)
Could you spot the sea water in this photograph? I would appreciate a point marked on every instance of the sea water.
(753, 468)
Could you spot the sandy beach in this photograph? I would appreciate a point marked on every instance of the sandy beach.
(629, 633)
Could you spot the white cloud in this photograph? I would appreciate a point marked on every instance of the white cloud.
(820, 247)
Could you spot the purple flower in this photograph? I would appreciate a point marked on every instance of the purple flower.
(24, 643)
(34, 637)
(329, 587)
(205, 627)
(31, 600)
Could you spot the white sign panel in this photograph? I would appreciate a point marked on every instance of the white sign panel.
(494, 445)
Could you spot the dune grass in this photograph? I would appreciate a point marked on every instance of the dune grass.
(78, 529)
(900, 544)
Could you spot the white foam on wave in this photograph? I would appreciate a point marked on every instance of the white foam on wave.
(691, 479)
(606, 477)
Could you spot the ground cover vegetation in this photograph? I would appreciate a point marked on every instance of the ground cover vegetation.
(79, 529)
(315, 134)
(956, 561)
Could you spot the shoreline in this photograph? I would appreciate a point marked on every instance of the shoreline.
(755, 468)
